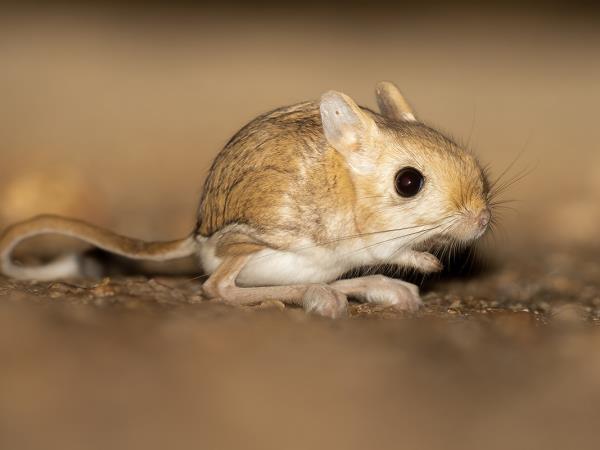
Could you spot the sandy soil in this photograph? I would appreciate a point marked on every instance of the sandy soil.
(116, 122)
(505, 359)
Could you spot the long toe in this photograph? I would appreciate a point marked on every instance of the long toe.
(325, 301)
(395, 293)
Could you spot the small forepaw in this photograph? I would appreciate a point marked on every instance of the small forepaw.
(428, 263)
(395, 293)
(325, 301)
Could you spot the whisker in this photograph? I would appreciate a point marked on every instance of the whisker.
(418, 233)
(199, 277)
(503, 201)
(371, 196)
(395, 252)
(472, 127)
(355, 236)
(512, 163)
(495, 192)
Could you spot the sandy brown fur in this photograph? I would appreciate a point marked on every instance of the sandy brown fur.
(273, 163)
(279, 175)
(97, 236)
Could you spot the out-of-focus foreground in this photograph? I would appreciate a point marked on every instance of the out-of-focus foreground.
(116, 120)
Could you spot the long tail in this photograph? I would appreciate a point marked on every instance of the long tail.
(70, 265)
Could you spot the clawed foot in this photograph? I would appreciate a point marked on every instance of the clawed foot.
(325, 301)
(322, 299)
(428, 263)
(382, 291)
(396, 293)
(422, 261)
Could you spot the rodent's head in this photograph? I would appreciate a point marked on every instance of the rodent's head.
(407, 176)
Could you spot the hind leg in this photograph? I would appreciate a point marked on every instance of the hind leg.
(381, 290)
(316, 298)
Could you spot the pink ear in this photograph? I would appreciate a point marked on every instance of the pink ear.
(346, 127)
(392, 103)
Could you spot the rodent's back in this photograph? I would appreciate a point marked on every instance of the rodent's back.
(278, 175)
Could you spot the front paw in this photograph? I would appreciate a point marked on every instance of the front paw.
(428, 263)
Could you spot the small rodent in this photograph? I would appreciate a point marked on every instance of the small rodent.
(302, 195)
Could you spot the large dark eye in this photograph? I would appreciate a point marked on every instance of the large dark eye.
(409, 182)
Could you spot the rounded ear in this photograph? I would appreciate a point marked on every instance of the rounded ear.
(346, 126)
(344, 123)
(392, 103)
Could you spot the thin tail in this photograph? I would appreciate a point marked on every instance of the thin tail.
(70, 265)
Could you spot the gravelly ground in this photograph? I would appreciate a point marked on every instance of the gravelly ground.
(558, 285)
(507, 358)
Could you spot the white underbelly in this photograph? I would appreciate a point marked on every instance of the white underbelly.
(307, 262)
(275, 267)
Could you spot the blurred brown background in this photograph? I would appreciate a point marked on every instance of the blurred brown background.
(114, 114)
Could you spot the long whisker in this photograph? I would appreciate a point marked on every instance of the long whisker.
(515, 179)
(395, 252)
(371, 196)
(472, 127)
(503, 201)
(512, 163)
(199, 277)
(420, 232)
(354, 236)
